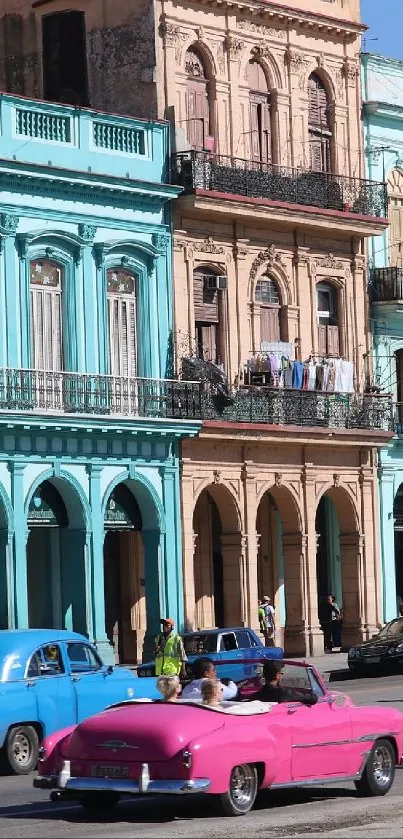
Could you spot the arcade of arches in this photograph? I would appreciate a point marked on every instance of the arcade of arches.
(296, 536)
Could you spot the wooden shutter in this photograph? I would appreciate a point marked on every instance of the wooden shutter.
(318, 126)
(122, 319)
(254, 129)
(205, 300)
(396, 233)
(333, 343)
(269, 323)
(46, 315)
(197, 101)
(322, 339)
(209, 342)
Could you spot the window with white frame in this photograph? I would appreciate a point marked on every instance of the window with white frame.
(122, 322)
(46, 288)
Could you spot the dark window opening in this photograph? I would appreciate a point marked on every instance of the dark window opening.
(64, 58)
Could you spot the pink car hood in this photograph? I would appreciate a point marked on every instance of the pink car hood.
(141, 732)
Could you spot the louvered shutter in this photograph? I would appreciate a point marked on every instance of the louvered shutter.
(198, 296)
(46, 315)
(266, 132)
(254, 130)
(396, 233)
(197, 101)
(122, 318)
(209, 342)
(318, 126)
(333, 345)
(322, 339)
(269, 323)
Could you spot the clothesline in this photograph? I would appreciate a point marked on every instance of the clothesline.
(330, 375)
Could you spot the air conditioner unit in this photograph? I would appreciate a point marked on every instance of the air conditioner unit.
(212, 281)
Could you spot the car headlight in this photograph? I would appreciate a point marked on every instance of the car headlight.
(398, 649)
(352, 653)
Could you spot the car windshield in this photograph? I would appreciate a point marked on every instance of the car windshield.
(392, 629)
(200, 644)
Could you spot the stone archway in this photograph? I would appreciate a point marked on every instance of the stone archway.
(218, 559)
(339, 559)
(281, 564)
(56, 578)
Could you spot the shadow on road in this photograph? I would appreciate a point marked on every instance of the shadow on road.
(169, 809)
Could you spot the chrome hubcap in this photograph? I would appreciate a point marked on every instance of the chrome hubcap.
(21, 749)
(382, 766)
(242, 786)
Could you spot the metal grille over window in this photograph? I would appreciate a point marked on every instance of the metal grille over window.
(46, 314)
(267, 292)
(121, 292)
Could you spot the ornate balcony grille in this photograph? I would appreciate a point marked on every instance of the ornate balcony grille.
(302, 408)
(235, 176)
(386, 284)
(76, 393)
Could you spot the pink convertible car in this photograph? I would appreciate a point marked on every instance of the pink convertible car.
(229, 752)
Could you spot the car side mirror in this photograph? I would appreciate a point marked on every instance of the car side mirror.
(109, 670)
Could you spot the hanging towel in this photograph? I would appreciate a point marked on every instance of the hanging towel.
(346, 377)
(311, 376)
(297, 374)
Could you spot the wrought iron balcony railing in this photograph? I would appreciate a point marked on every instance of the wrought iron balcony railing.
(386, 284)
(77, 393)
(302, 408)
(232, 175)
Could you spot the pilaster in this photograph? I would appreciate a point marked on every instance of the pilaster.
(97, 566)
(21, 620)
(387, 539)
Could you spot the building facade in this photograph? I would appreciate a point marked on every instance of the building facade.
(279, 491)
(382, 80)
(90, 417)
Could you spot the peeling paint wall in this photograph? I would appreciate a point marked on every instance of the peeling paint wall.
(120, 44)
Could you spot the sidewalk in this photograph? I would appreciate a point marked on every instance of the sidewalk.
(330, 663)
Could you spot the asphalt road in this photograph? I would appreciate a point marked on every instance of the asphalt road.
(333, 811)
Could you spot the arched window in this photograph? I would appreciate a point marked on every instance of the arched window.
(122, 323)
(198, 128)
(319, 128)
(46, 284)
(267, 295)
(208, 296)
(328, 322)
(260, 116)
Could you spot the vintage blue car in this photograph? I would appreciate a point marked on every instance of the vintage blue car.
(223, 645)
(50, 679)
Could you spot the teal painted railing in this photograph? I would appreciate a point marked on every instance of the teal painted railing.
(41, 391)
(83, 140)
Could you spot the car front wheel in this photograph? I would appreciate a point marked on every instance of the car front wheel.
(21, 749)
(243, 787)
(379, 771)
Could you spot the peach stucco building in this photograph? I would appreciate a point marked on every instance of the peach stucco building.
(279, 489)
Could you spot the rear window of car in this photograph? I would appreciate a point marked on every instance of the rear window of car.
(200, 644)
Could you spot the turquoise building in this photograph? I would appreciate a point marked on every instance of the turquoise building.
(90, 418)
(382, 80)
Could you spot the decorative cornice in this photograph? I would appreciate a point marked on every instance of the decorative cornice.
(208, 246)
(261, 29)
(330, 261)
(270, 256)
(8, 224)
(233, 46)
(161, 242)
(350, 70)
(87, 233)
(296, 61)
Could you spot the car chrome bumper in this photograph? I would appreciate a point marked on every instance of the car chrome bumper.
(124, 786)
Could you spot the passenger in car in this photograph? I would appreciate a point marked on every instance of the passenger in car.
(272, 690)
(170, 687)
(211, 691)
(203, 668)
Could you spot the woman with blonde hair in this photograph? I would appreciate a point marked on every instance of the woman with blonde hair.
(170, 687)
(211, 691)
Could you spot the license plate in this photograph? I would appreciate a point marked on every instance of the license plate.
(375, 659)
(102, 770)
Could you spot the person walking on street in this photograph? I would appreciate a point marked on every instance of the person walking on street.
(170, 656)
(261, 618)
(326, 611)
(336, 623)
(270, 631)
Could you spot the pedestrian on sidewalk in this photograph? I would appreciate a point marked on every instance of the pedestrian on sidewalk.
(325, 613)
(270, 622)
(336, 623)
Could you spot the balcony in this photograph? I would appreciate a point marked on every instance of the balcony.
(386, 285)
(199, 170)
(302, 408)
(81, 140)
(51, 393)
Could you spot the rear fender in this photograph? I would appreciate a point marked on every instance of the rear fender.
(215, 757)
(50, 762)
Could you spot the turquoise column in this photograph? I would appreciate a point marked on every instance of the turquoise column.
(101, 297)
(387, 534)
(91, 313)
(13, 311)
(20, 546)
(280, 565)
(156, 606)
(163, 290)
(97, 567)
(173, 572)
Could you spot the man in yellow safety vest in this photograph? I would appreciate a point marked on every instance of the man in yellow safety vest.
(170, 656)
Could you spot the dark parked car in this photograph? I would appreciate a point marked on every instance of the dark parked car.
(383, 652)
